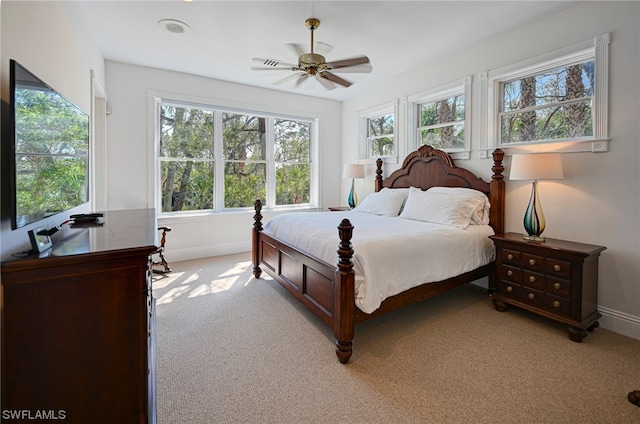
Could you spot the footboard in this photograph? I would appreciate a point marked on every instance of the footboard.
(326, 290)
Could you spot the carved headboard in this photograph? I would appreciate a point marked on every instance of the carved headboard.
(428, 167)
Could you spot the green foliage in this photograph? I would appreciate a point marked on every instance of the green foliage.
(52, 143)
(553, 105)
(187, 159)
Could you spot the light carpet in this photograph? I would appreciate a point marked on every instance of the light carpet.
(235, 349)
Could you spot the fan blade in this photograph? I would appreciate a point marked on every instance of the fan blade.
(273, 63)
(335, 78)
(289, 78)
(301, 79)
(325, 82)
(297, 49)
(348, 62)
(358, 69)
(262, 68)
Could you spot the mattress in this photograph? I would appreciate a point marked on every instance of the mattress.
(391, 254)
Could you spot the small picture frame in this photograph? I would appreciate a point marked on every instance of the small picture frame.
(39, 242)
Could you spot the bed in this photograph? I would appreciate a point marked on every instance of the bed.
(331, 289)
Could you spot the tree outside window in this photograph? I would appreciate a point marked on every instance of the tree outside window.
(554, 105)
(441, 123)
(380, 136)
(194, 141)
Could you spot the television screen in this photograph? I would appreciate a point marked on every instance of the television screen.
(51, 149)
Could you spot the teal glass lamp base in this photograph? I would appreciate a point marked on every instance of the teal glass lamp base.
(534, 221)
(353, 197)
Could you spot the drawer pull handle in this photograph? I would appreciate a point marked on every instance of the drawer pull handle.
(557, 286)
(532, 262)
(531, 296)
(557, 268)
(509, 289)
(556, 304)
(510, 257)
(510, 273)
(532, 279)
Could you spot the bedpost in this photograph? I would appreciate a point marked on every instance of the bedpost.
(344, 295)
(497, 195)
(378, 185)
(497, 189)
(257, 227)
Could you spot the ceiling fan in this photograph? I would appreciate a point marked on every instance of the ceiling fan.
(314, 65)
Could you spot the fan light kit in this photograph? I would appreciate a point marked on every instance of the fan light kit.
(315, 65)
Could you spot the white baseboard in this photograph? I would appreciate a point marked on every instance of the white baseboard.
(620, 322)
(177, 255)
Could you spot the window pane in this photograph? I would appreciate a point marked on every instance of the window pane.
(447, 137)
(381, 125)
(186, 185)
(381, 146)
(292, 141)
(244, 137)
(442, 111)
(244, 182)
(186, 132)
(565, 83)
(554, 123)
(293, 184)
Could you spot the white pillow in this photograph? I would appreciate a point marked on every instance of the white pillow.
(455, 206)
(386, 202)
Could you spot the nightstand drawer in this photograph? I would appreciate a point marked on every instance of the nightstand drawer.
(534, 297)
(510, 257)
(559, 304)
(533, 279)
(558, 286)
(511, 274)
(510, 290)
(558, 268)
(533, 262)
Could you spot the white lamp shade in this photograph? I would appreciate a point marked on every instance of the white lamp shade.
(536, 166)
(353, 171)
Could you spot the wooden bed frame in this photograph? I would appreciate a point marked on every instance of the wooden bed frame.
(328, 290)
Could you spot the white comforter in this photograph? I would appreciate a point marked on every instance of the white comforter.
(391, 254)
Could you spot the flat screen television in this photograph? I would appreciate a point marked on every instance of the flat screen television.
(49, 154)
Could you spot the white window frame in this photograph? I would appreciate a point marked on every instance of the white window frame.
(390, 108)
(435, 94)
(596, 50)
(155, 100)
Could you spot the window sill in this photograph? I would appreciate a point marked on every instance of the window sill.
(594, 146)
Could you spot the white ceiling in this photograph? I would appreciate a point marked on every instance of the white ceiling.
(226, 35)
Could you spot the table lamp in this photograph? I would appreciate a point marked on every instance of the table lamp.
(535, 166)
(353, 171)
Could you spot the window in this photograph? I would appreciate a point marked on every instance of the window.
(378, 132)
(439, 118)
(380, 136)
(556, 100)
(212, 159)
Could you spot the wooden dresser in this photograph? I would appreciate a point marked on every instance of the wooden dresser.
(78, 325)
(557, 279)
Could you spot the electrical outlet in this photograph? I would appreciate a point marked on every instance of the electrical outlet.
(599, 146)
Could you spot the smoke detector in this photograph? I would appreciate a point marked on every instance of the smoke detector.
(173, 26)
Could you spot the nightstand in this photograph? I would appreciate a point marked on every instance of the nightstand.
(556, 279)
(339, 208)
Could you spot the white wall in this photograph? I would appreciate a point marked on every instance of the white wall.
(598, 202)
(51, 40)
(130, 173)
